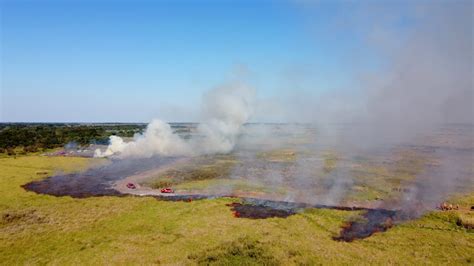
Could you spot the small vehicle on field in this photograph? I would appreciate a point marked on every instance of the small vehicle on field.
(167, 190)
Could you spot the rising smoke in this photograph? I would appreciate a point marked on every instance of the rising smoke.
(224, 110)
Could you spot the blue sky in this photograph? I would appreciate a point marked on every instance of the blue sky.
(131, 61)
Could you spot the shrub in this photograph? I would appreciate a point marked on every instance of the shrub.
(30, 149)
(243, 251)
(465, 221)
(11, 152)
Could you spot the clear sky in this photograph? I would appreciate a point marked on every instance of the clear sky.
(131, 61)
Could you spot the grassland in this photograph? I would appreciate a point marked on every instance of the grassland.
(42, 229)
(374, 179)
(197, 169)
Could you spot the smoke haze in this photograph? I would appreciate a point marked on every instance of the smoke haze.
(424, 79)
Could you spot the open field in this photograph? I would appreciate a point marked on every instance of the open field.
(237, 132)
(38, 229)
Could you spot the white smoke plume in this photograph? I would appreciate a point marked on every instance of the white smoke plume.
(224, 110)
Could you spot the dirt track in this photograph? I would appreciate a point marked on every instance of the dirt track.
(137, 179)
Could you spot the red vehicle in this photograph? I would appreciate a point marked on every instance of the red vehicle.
(131, 186)
(167, 190)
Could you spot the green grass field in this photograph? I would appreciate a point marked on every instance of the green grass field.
(42, 229)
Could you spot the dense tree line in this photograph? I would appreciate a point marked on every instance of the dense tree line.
(32, 137)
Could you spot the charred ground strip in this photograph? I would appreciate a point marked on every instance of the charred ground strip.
(95, 181)
(82, 186)
(373, 221)
(257, 211)
(98, 182)
(89, 184)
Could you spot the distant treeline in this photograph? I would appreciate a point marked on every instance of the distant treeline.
(35, 137)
